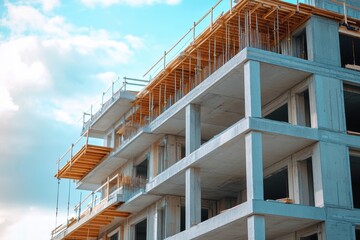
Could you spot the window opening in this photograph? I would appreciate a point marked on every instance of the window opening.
(142, 169)
(306, 181)
(352, 113)
(303, 109)
(357, 234)
(280, 114)
(114, 236)
(182, 218)
(355, 179)
(310, 237)
(350, 51)
(162, 159)
(276, 186)
(141, 230)
(301, 45)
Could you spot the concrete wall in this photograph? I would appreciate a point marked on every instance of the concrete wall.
(353, 9)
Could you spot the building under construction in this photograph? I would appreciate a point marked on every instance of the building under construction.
(249, 129)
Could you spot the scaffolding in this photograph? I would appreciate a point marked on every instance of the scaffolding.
(262, 24)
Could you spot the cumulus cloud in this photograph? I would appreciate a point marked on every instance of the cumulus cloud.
(106, 3)
(17, 222)
(42, 52)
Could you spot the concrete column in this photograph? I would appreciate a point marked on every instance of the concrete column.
(331, 170)
(256, 227)
(335, 230)
(252, 89)
(254, 166)
(327, 103)
(322, 36)
(192, 197)
(192, 128)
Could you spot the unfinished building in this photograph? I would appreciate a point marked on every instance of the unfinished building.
(252, 131)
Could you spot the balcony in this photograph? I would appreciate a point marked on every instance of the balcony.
(100, 208)
(86, 158)
(114, 103)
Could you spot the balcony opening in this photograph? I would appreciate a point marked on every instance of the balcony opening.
(310, 237)
(161, 223)
(162, 158)
(276, 185)
(355, 179)
(303, 108)
(306, 182)
(180, 151)
(114, 236)
(141, 230)
(280, 114)
(182, 218)
(206, 213)
(300, 45)
(352, 113)
(142, 169)
(350, 51)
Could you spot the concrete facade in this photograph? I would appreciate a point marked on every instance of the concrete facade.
(261, 149)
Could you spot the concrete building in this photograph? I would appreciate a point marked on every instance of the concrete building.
(251, 132)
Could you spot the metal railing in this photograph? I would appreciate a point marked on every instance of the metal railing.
(124, 186)
(75, 148)
(198, 27)
(127, 84)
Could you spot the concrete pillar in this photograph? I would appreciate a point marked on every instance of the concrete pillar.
(327, 103)
(173, 215)
(192, 128)
(192, 197)
(256, 227)
(322, 36)
(335, 230)
(331, 170)
(254, 166)
(252, 89)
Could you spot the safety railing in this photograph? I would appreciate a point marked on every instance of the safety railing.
(127, 84)
(75, 148)
(198, 27)
(124, 187)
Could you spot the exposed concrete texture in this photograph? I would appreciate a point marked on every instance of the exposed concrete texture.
(332, 175)
(353, 6)
(252, 89)
(254, 166)
(323, 40)
(192, 197)
(256, 227)
(193, 128)
(327, 103)
(336, 230)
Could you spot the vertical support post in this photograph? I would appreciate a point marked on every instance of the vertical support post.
(194, 31)
(192, 197)
(256, 227)
(192, 128)
(164, 59)
(254, 166)
(252, 89)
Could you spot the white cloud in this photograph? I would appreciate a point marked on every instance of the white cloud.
(134, 41)
(32, 222)
(68, 110)
(106, 3)
(6, 103)
(107, 77)
(40, 47)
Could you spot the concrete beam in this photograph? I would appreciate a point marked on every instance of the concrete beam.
(256, 227)
(252, 89)
(192, 197)
(193, 128)
(254, 166)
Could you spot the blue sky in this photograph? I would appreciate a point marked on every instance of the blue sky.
(56, 57)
